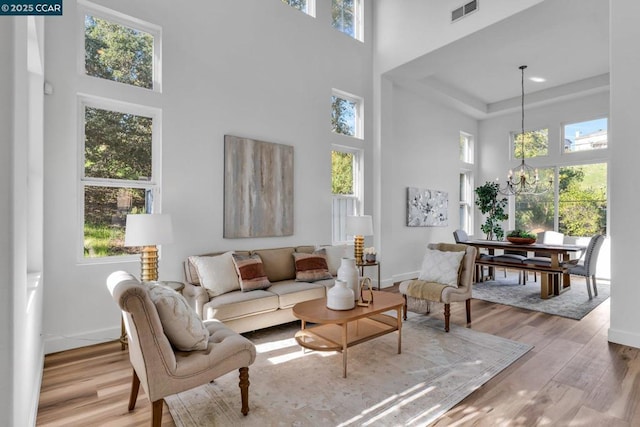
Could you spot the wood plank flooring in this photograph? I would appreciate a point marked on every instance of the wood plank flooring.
(573, 377)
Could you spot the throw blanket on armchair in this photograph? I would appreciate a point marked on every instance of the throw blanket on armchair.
(425, 290)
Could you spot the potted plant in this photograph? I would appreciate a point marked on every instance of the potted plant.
(490, 203)
(521, 237)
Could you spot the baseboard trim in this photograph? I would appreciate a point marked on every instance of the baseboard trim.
(624, 337)
(55, 343)
(405, 276)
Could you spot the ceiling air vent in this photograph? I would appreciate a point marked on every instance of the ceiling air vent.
(462, 11)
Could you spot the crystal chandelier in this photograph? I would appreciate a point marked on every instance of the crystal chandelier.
(524, 179)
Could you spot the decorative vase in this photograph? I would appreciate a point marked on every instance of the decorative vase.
(348, 272)
(340, 297)
(370, 258)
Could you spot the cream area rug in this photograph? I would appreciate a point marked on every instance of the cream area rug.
(289, 387)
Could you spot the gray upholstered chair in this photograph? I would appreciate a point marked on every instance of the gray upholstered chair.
(158, 366)
(586, 267)
(442, 293)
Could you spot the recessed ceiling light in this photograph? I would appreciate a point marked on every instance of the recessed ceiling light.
(537, 79)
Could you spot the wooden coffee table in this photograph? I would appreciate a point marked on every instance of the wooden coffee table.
(336, 330)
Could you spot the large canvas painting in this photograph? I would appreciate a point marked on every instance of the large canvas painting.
(258, 188)
(427, 208)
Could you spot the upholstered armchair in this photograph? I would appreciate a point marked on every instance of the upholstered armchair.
(151, 316)
(419, 292)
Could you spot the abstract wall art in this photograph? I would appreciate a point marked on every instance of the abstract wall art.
(258, 188)
(427, 208)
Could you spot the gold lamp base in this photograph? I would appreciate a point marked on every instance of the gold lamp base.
(358, 248)
(149, 263)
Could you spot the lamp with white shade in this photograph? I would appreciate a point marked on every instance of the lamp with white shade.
(358, 227)
(148, 230)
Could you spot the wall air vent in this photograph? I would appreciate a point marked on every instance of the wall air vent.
(464, 10)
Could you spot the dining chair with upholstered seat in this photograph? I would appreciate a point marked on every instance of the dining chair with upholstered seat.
(159, 322)
(587, 267)
(547, 237)
(461, 236)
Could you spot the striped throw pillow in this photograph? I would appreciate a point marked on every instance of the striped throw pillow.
(251, 272)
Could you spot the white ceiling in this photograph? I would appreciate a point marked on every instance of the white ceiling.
(564, 42)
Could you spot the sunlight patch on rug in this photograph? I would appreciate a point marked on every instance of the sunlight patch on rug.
(435, 371)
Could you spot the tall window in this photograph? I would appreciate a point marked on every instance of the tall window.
(536, 143)
(346, 17)
(117, 175)
(580, 207)
(306, 6)
(119, 142)
(346, 114)
(127, 54)
(345, 189)
(466, 182)
(584, 136)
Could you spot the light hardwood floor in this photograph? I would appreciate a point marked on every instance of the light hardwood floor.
(573, 377)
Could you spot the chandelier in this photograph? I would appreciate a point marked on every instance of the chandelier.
(524, 179)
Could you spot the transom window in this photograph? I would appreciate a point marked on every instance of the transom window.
(585, 136)
(306, 6)
(346, 17)
(346, 114)
(120, 48)
(536, 143)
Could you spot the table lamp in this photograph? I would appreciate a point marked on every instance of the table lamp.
(358, 227)
(148, 230)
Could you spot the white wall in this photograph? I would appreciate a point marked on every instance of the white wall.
(256, 68)
(625, 203)
(420, 149)
(417, 27)
(494, 147)
(21, 347)
(6, 268)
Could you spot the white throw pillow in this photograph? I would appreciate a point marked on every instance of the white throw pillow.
(217, 273)
(441, 267)
(335, 255)
(180, 322)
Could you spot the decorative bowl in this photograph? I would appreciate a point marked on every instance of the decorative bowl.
(521, 240)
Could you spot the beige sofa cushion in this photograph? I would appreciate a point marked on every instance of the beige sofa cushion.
(278, 263)
(182, 326)
(237, 304)
(291, 292)
(216, 273)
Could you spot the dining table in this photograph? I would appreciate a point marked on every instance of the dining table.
(550, 282)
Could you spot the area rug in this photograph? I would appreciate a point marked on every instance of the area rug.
(574, 304)
(289, 387)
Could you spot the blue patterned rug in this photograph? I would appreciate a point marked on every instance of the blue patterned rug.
(574, 304)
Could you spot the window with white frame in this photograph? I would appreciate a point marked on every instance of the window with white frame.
(345, 189)
(119, 142)
(306, 6)
(120, 48)
(577, 207)
(585, 136)
(466, 182)
(346, 16)
(346, 114)
(119, 171)
(536, 143)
